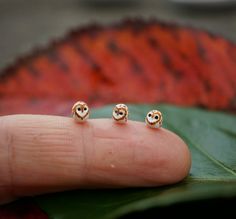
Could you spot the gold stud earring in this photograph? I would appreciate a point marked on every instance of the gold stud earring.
(120, 113)
(154, 119)
(80, 111)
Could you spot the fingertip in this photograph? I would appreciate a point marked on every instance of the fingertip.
(98, 153)
(178, 161)
(161, 157)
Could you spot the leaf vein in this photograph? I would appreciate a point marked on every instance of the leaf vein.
(214, 160)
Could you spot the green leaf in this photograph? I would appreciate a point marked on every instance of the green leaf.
(211, 137)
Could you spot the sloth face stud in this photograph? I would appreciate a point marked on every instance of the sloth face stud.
(154, 119)
(120, 113)
(80, 111)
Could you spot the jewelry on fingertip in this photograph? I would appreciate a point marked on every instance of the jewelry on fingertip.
(154, 119)
(80, 111)
(120, 113)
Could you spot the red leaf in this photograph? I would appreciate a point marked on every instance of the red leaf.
(134, 61)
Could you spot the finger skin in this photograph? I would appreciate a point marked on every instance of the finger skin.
(40, 154)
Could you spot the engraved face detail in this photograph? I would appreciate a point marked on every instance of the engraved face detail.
(80, 111)
(120, 113)
(154, 119)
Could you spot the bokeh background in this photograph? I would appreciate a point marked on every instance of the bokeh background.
(26, 24)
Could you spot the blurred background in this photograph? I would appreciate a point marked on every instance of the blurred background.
(29, 24)
(26, 24)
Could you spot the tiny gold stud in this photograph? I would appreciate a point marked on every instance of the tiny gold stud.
(154, 119)
(120, 113)
(80, 111)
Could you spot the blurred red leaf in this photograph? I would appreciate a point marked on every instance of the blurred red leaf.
(134, 61)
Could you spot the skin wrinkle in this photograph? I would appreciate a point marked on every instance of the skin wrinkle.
(87, 141)
(70, 155)
(124, 178)
(134, 143)
(101, 171)
(8, 140)
(66, 146)
(99, 132)
(10, 164)
(49, 147)
(119, 176)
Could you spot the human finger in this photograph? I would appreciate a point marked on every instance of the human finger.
(40, 154)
